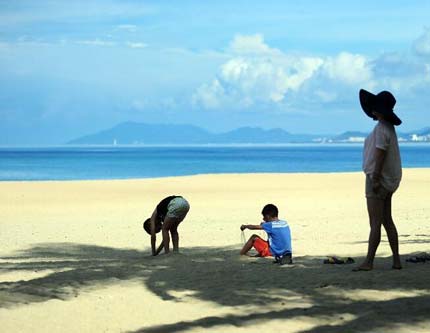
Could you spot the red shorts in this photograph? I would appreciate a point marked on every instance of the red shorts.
(262, 247)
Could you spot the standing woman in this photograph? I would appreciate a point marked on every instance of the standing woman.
(168, 214)
(383, 169)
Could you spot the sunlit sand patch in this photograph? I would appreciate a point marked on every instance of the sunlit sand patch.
(181, 295)
(27, 275)
(372, 294)
(422, 327)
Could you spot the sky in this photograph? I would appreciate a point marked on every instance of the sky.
(71, 68)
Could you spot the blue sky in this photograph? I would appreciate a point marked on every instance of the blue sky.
(69, 68)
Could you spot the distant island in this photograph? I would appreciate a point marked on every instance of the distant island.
(133, 133)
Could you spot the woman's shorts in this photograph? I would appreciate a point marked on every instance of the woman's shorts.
(178, 208)
(262, 247)
(381, 194)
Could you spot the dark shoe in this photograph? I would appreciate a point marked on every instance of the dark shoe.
(422, 257)
(339, 261)
(285, 259)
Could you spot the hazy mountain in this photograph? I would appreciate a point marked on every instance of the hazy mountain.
(349, 136)
(259, 135)
(130, 133)
(140, 133)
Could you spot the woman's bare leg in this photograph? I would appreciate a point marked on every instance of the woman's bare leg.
(391, 230)
(375, 209)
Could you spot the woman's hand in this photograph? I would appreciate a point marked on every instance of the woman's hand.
(376, 182)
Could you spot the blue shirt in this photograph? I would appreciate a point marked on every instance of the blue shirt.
(279, 236)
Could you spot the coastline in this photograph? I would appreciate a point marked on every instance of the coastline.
(151, 162)
(203, 145)
(76, 249)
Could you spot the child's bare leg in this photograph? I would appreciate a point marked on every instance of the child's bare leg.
(170, 225)
(248, 245)
(167, 226)
(175, 236)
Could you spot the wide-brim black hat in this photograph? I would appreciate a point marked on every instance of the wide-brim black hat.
(382, 103)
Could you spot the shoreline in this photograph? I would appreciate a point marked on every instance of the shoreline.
(196, 175)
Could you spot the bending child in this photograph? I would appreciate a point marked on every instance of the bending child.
(279, 237)
(167, 216)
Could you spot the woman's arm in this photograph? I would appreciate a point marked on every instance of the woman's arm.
(379, 163)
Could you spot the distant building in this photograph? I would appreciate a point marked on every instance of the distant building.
(355, 139)
(420, 138)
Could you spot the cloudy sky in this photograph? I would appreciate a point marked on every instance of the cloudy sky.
(69, 68)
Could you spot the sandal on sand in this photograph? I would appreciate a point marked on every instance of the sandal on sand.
(422, 257)
(338, 261)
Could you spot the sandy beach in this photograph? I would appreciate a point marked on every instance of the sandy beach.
(74, 257)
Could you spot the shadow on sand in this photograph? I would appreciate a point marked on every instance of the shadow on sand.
(221, 276)
(404, 239)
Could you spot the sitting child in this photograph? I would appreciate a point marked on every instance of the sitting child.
(278, 231)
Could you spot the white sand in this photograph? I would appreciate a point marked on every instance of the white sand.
(74, 257)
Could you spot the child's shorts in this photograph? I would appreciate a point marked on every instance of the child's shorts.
(178, 208)
(262, 247)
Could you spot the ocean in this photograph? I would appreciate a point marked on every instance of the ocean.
(85, 163)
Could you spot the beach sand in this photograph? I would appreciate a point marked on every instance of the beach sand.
(74, 257)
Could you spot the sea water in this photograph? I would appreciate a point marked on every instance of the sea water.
(82, 163)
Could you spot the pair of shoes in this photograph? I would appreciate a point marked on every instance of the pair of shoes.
(422, 257)
(284, 259)
(338, 261)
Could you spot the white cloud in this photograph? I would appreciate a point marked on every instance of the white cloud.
(127, 27)
(250, 44)
(71, 11)
(326, 96)
(348, 68)
(256, 74)
(422, 45)
(210, 96)
(245, 82)
(96, 42)
(136, 45)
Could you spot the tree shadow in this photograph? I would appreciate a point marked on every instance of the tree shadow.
(403, 239)
(219, 275)
(66, 269)
(259, 283)
(364, 322)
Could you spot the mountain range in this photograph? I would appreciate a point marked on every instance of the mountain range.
(133, 133)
